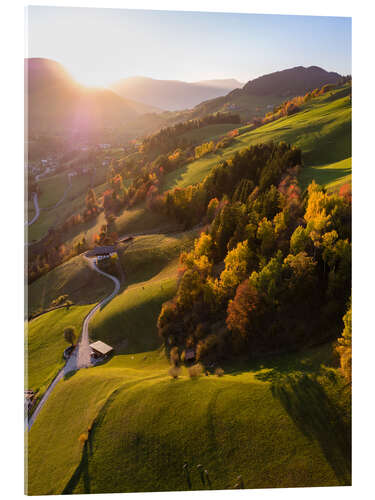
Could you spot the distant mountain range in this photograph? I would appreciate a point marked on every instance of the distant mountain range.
(172, 95)
(293, 81)
(260, 94)
(58, 104)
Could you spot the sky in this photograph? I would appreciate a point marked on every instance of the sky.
(100, 46)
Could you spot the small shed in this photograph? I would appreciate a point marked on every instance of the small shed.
(100, 349)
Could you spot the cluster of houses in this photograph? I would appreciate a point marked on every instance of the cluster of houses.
(45, 167)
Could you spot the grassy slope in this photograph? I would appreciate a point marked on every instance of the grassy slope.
(332, 176)
(73, 203)
(128, 322)
(209, 133)
(285, 434)
(45, 344)
(322, 130)
(52, 190)
(248, 106)
(74, 278)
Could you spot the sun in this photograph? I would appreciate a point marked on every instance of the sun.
(91, 79)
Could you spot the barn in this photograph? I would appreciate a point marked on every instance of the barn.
(100, 349)
(101, 252)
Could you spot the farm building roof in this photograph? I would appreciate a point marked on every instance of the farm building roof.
(101, 251)
(101, 347)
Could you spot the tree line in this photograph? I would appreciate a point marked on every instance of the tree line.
(272, 271)
(169, 138)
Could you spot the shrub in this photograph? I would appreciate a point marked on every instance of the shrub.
(83, 438)
(174, 371)
(219, 372)
(195, 370)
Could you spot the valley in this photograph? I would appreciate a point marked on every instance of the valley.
(223, 238)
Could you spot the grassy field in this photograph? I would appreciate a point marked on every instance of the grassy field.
(288, 429)
(332, 176)
(73, 203)
(135, 220)
(74, 278)
(246, 105)
(150, 264)
(45, 344)
(322, 130)
(30, 209)
(52, 190)
(209, 133)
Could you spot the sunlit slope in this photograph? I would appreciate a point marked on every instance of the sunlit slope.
(332, 176)
(209, 133)
(74, 278)
(144, 426)
(53, 189)
(150, 264)
(45, 344)
(322, 130)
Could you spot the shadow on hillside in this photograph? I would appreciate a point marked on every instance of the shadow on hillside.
(318, 418)
(82, 471)
(174, 178)
(273, 367)
(328, 175)
(70, 374)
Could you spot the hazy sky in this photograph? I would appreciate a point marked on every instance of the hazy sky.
(99, 46)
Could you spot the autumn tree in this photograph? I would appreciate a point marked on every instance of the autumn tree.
(243, 311)
(344, 348)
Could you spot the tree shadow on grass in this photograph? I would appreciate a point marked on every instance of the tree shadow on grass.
(275, 366)
(70, 374)
(318, 418)
(82, 471)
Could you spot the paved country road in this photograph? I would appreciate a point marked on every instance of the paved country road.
(37, 211)
(81, 357)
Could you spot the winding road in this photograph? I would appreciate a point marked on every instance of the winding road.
(37, 210)
(81, 357)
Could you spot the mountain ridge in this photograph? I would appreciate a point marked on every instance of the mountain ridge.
(172, 95)
(57, 103)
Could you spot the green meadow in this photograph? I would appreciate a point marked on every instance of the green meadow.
(74, 278)
(150, 265)
(210, 132)
(322, 129)
(45, 344)
(141, 426)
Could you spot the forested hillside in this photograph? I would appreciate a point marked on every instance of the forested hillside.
(272, 270)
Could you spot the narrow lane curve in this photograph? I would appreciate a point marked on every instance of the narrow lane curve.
(37, 210)
(81, 357)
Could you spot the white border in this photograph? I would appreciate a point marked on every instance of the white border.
(12, 53)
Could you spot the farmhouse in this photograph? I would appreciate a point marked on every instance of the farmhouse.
(100, 349)
(105, 251)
